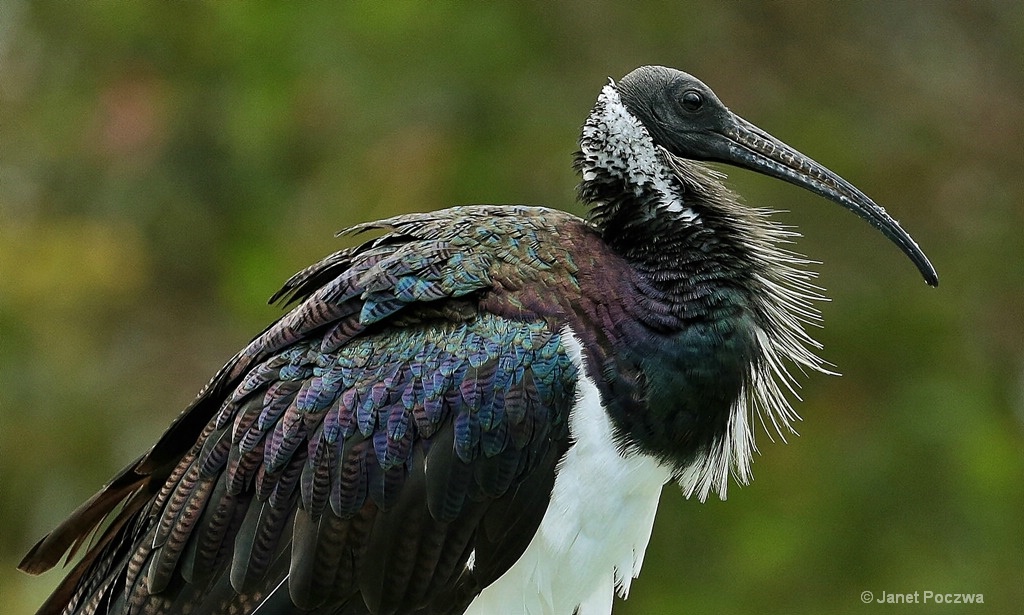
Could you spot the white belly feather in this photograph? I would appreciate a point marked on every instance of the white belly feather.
(592, 538)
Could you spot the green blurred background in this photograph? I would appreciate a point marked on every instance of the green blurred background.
(165, 166)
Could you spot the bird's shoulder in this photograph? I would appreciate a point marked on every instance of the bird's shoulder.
(446, 266)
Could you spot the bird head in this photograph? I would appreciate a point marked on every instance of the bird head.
(688, 122)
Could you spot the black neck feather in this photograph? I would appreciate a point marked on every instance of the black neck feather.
(696, 261)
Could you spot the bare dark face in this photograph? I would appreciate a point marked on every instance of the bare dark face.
(687, 119)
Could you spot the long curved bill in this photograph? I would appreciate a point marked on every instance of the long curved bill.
(752, 148)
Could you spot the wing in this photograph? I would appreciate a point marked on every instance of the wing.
(355, 455)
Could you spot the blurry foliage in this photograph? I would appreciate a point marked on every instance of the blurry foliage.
(164, 166)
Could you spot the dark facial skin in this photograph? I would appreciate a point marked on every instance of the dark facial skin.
(688, 120)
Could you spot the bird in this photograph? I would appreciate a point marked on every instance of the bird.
(476, 410)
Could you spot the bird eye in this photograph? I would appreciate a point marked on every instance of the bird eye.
(691, 100)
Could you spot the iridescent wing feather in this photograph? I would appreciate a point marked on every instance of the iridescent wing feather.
(355, 455)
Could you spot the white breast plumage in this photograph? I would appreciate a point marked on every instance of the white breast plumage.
(592, 538)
